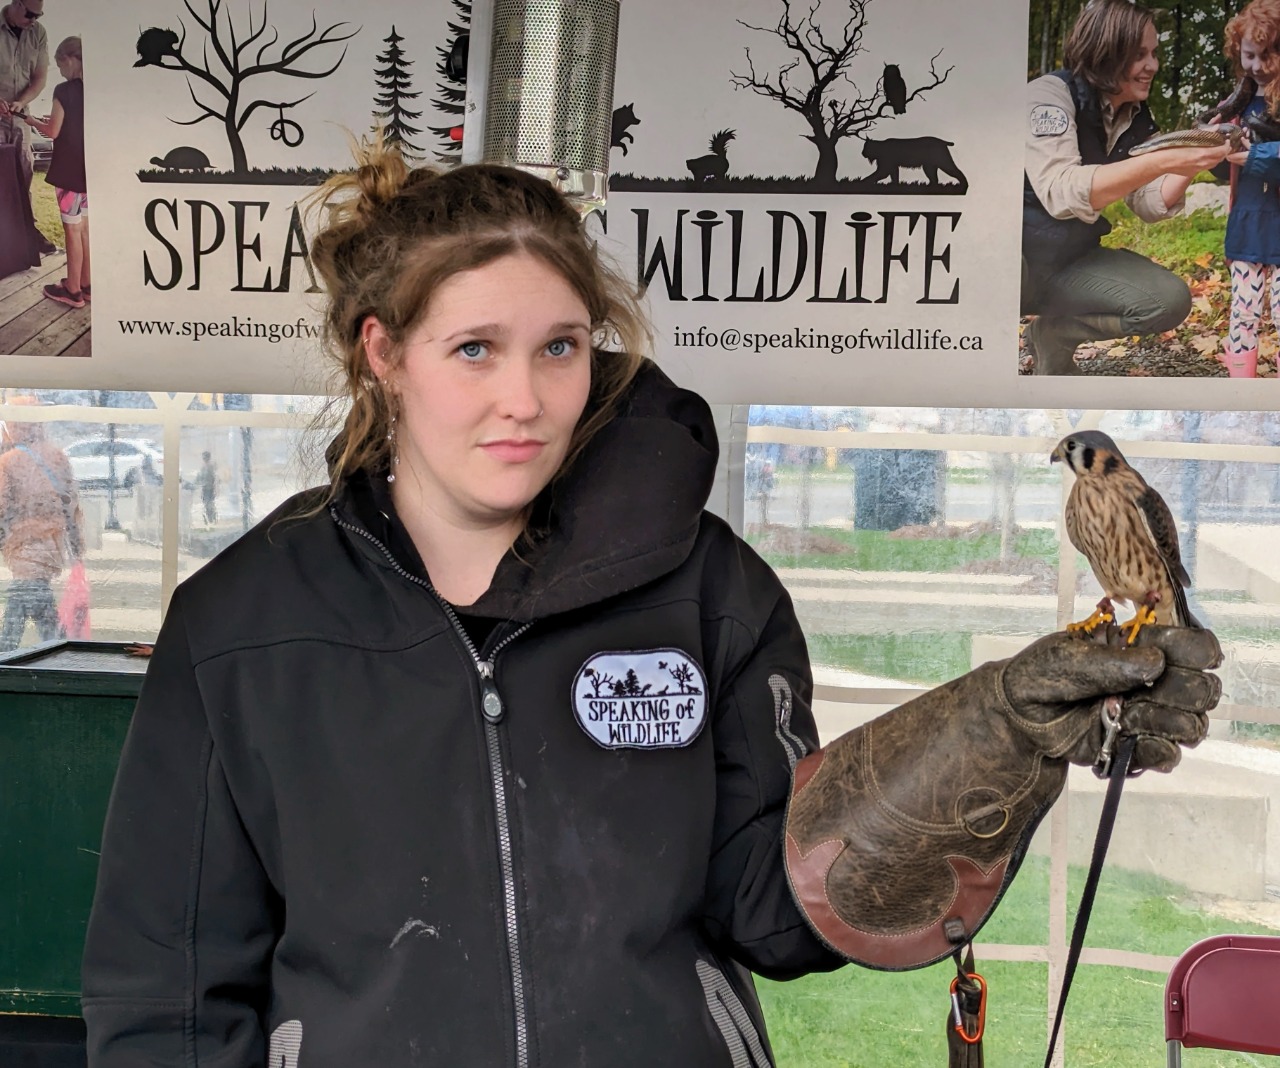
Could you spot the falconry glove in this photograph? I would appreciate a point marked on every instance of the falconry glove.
(903, 834)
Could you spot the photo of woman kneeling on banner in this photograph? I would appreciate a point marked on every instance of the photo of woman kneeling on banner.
(1126, 257)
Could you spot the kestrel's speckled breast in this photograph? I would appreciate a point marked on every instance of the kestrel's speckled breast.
(1105, 524)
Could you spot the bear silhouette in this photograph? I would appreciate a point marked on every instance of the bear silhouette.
(930, 154)
(623, 118)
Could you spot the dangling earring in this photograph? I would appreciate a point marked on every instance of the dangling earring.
(391, 434)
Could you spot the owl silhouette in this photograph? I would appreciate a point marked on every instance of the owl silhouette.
(895, 89)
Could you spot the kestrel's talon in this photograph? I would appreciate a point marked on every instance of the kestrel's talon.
(1103, 613)
(1146, 616)
(1088, 626)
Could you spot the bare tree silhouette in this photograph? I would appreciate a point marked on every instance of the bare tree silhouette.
(392, 76)
(598, 680)
(682, 673)
(236, 63)
(451, 90)
(825, 64)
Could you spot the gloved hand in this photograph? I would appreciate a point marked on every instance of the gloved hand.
(1051, 691)
(903, 834)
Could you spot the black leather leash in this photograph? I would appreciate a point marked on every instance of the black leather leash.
(1116, 770)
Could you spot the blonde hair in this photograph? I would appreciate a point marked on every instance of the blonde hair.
(393, 234)
(70, 49)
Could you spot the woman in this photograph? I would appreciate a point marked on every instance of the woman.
(479, 756)
(1081, 124)
(41, 527)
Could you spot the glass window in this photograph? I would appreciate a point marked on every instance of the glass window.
(145, 525)
(915, 543)
(919, 543)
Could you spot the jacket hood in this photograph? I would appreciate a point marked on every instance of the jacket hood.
(626, 512)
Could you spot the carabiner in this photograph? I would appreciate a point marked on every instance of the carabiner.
(1110, 713)
(976, 1037)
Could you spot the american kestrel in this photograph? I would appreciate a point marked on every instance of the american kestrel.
(1126, 532)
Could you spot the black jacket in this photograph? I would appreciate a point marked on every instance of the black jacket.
(1049, 244)
(340, 829)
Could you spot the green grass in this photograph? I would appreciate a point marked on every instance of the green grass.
(45, 205)
(925, 658)
(875, 550)
(1268, 733)
(857, 1017)
(981, 476)
(1176, 243)
(788, 473)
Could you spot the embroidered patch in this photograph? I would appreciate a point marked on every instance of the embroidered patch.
(1049, 120)
(642, 699)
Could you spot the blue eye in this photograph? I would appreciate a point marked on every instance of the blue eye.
(562, 346)
(472, 350)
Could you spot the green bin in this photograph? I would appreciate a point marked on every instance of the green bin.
(64, 711)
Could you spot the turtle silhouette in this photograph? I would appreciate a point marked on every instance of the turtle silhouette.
(183, 158)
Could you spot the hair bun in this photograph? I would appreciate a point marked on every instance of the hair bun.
(380, 177)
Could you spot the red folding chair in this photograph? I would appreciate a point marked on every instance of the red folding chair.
(1224, 993)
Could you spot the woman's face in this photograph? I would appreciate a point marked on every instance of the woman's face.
(492, 383)
(1135, 86)
(1254, 58)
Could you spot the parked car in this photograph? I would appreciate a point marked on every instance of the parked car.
(41, 149)
(91, 461)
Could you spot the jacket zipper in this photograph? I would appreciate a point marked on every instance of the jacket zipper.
(493, 711)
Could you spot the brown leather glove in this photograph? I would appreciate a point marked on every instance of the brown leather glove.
(903, 834)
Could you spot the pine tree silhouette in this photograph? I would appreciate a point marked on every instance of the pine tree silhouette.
(392, 76)
(451, 92)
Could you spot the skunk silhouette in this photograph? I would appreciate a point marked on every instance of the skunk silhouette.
(715, 165)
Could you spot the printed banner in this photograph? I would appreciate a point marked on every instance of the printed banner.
(843, 201)
(824, 200)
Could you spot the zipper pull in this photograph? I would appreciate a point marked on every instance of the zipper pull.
(490, 699)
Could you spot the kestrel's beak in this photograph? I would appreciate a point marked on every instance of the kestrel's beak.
(1055, 456)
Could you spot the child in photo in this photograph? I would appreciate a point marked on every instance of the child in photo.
(1253, 227)
(66, 172)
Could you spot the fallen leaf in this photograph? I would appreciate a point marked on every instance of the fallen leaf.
(1206, 344)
